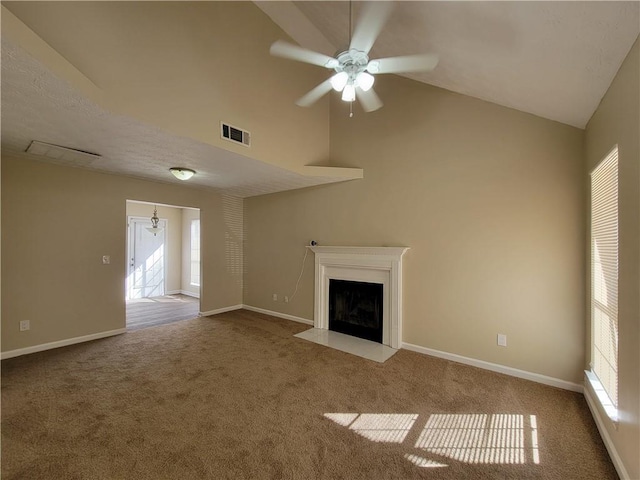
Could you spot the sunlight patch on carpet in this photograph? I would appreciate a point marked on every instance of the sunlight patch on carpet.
(480, 438)
(477, 438)
(377, 427)
(423, 462)
(344, 419)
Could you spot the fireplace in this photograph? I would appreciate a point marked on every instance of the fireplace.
(355, 308)
(371, 270)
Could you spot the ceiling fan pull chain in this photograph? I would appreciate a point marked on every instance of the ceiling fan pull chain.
(350, 109)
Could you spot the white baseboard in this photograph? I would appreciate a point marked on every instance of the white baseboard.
(494, 367)
(190, 294)
(183, 292)
(221, 310)
(604, 434)
(286, 316)
(60, 343)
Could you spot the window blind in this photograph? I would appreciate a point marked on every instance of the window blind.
(604, 274)
(195, 252)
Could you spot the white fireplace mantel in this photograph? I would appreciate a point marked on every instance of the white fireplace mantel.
(369, 264)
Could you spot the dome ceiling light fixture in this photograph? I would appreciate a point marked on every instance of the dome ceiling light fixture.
(182, 173)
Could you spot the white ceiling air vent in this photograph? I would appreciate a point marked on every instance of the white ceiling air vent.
(235, 135)
(56, 152)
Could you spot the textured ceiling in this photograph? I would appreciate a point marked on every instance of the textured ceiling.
(552, 59)
(36, 105)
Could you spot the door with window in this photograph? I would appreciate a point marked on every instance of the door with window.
(146, 272)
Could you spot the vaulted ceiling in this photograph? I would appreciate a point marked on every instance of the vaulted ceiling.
(552, 59)
(555, 60)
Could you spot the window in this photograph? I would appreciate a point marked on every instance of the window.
(604, 279)
(195, 252)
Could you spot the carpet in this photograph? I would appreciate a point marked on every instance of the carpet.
(237, 396)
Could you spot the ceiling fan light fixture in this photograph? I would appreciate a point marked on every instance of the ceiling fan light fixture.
(353, 69)
(349, 93)
(373, 66)
(182, 173)
(364, 81)
(339, 81)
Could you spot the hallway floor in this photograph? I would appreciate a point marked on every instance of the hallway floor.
(154, 311)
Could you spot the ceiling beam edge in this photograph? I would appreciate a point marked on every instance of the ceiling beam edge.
(21, 35)
(295, 24)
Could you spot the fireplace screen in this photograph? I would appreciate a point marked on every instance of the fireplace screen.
(355, 308)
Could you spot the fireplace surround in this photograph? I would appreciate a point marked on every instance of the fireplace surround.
(378, 265)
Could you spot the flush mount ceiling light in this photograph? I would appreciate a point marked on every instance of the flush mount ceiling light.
(182, 173)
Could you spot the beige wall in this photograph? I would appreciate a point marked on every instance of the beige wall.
(173, 239)
(617, 121)
(183, 67)
(490, 201)
(57, 222)
(188, 215)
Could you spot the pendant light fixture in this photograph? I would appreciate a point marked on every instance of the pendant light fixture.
(154, 228)
(182, 173)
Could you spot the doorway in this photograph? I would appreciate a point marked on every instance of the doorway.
(163, 265)
(146, 274)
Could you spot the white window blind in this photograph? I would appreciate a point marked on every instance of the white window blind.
(195, 252)
(604, 274)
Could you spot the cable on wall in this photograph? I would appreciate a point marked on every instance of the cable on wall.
(312, 243)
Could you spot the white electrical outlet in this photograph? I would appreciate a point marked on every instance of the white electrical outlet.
(286, 299)
(275, 297)
(106, 259)
(25, 325)
(502, 340)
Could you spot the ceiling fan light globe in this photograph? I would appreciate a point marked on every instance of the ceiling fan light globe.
(339, 81)
(349, 93)
(364, 81)
(373, 66)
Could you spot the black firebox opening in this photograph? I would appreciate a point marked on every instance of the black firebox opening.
(355, 308)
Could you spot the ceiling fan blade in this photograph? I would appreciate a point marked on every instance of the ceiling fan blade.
(408, 63)
(373, 17)
(316, 94)
(369, 100)
(294, 52)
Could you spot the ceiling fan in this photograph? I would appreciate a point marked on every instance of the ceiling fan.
(354, 71)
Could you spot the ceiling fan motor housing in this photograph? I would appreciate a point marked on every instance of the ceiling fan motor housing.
(352, 62)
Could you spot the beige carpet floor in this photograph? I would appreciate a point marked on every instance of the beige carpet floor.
(237, 396)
